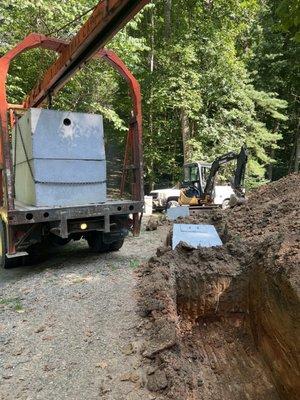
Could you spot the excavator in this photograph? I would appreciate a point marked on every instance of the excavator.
(199, 184)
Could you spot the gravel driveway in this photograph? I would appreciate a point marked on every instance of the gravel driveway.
(68, 325)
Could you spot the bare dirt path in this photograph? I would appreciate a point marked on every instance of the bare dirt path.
(68, 325)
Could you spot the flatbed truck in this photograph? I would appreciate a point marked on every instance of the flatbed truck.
(105, 224)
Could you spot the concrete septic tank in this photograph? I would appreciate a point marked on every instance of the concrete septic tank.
(59, 158)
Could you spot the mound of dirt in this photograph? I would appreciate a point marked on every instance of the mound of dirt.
(223, 323)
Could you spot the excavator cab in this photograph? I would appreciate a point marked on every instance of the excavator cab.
(199, 179)
(195, 180)
(196, 175)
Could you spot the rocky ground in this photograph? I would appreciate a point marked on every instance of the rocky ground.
(68, 326)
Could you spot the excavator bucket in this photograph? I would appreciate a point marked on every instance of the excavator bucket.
(187, 201)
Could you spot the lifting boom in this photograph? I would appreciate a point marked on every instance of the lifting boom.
(108, 17)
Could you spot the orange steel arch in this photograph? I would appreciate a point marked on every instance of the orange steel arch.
(135, 133)
(32, 41)
(133, 154)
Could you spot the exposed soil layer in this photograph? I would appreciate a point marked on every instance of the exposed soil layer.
(223, 323)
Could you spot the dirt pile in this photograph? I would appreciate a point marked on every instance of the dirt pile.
(223, 323)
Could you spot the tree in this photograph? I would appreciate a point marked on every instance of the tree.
(202, 94)
(214, 74)
(274, 65)
(289, 14)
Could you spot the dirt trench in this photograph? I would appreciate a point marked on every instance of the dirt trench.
(223, 323)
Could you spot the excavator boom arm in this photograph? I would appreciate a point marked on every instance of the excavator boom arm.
(242, 159)
(239, 175)
(224, 159)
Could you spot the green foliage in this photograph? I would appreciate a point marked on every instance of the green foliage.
(134, 264)
(13, 303)
(201, 69)
(218, 73)
(289, 14)
(273, 64)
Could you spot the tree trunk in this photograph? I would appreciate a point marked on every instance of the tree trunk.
(168, 18)
(297, 148)
(272, 154)
(270, 166)
(151, 116)
(185, 133)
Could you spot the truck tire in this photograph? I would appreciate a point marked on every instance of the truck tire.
(96, 243)
(116, 246)
(226, 204)
(4, 261)
(37, 253)
(172, 203)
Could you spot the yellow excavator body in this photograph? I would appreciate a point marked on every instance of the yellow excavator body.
(200, 191)
(187, 201)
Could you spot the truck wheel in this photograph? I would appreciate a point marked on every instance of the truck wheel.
(96, 243)
(115, 246)
(172, 203)
(37, 253)
(58, 241)
(226, 204)
(4, 261)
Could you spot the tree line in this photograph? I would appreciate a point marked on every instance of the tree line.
(214, 74)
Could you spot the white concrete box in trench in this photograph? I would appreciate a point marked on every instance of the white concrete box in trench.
(59, 158)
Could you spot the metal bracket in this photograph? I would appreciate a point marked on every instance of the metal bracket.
(16, 255)
(106, 223)
(64, 226)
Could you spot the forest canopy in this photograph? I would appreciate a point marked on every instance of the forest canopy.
(214, 74)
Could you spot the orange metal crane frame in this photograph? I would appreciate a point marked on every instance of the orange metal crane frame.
(108, 17)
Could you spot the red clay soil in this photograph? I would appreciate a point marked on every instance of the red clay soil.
(223, 323)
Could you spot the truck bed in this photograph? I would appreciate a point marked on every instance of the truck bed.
(28, 214)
